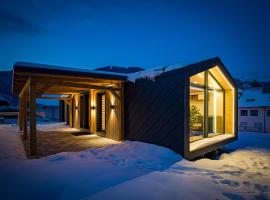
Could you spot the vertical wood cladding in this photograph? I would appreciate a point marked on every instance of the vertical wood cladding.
(112, 118)
(154, 111)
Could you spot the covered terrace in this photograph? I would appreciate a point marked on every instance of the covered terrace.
(33, 81)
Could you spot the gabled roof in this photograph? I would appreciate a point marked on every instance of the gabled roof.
(254, 97)
(190, 69)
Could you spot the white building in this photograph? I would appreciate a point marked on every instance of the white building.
(254, 110)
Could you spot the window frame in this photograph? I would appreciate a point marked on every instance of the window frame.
(252, 113)
(241, 113)
(268, 113)
(206, 91)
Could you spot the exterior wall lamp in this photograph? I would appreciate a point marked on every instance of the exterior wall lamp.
(112, 106)
(76, 107)
(93, 107)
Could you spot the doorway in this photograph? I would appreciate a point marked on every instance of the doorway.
(84, 111)
(101, 112)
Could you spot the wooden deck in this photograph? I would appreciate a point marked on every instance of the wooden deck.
(49, 143)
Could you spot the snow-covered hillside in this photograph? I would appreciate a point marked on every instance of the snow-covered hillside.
(135, 170)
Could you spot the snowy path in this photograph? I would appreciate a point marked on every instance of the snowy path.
(11, 146)
(135, 170)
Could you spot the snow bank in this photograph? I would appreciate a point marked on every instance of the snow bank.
(135, 170)
(135, 154)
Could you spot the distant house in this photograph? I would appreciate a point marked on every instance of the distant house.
(254, 110)
(48, 112)
(191, 109)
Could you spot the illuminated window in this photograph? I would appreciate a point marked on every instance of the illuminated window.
(198, 79)
(211, 96)
(196, 113)
(215, 107)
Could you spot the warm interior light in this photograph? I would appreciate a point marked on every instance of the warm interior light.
(215, 111)
(220, 72)
(233, 97)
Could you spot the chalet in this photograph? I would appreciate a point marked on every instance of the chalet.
(191, 109)
(254, 110)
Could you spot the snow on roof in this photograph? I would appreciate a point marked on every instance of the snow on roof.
(148, 73)
(254, 97)
(45, 66)
(153, 72)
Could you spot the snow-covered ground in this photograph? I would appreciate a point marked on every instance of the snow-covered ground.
(135, 170)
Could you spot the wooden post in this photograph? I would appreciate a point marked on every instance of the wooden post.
(32, 109)
(122, 112)
(70, 111)
(24, 113)
(20, 114)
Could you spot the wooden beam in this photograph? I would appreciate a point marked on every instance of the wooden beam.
(20, 113)
(42, 90)
(69, 77)
(66, 101)
(115, 95)
(70, 111)
(122, 118)
(25, 87)
(73, 81)
(24, 113)
(54, 98)
(88, 86)
(63, 91)
(32, 108)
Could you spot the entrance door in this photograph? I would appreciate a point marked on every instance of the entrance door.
(101, 112)
(84, 111)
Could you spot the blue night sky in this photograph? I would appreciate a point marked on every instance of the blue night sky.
(91, 34)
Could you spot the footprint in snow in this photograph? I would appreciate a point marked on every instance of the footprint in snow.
(262, 188)
(216, 177)
(230, 183)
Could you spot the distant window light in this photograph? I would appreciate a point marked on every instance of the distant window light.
(254, 112)
(268, 113)
(243, 112)
(250, 100)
